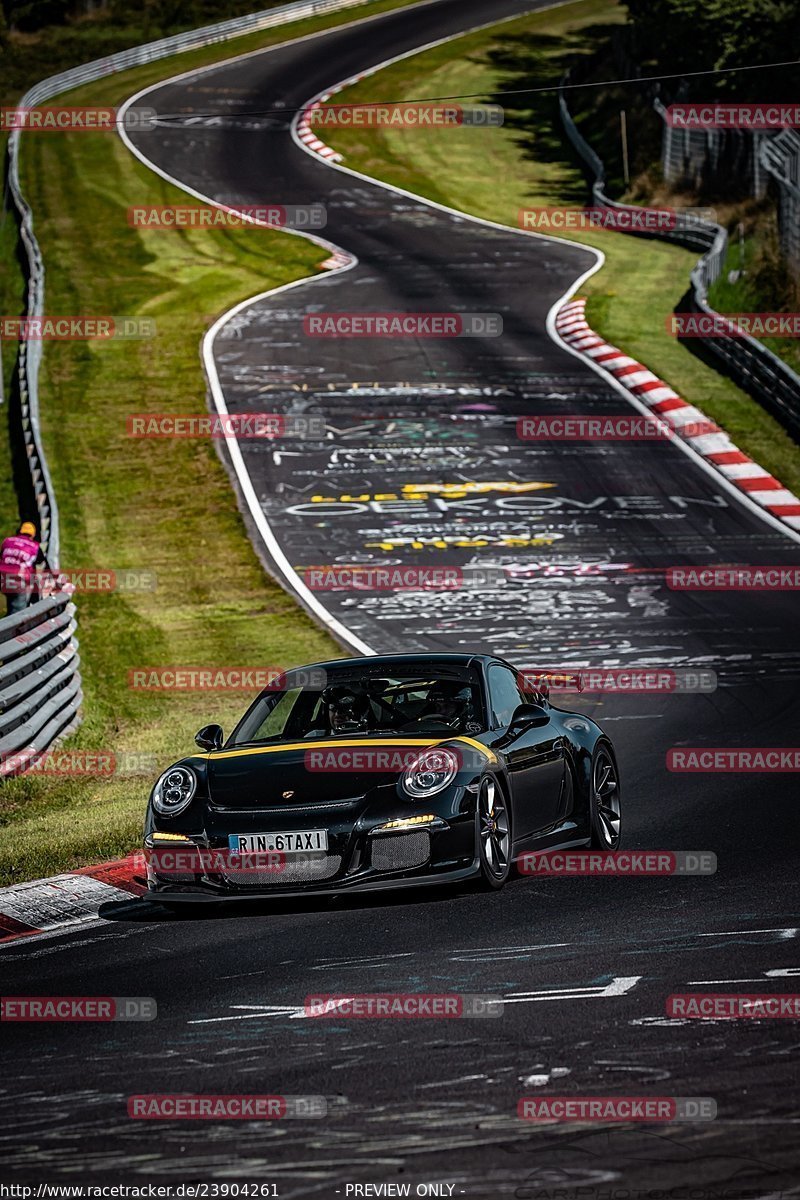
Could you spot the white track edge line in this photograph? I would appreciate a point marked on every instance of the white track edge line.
(693, 454)
(271, 543)
(262, 524)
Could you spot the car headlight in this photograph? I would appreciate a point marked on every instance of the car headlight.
(429, 773)
(174, 791)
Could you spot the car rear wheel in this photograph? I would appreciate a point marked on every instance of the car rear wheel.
(494, 834)
(605, 805)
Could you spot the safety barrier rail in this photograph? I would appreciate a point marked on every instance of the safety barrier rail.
(755, 368)
(780, 158)
(40, 685)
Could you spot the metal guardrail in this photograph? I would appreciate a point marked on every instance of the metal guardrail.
(755, 368)
(699, 157)
(780, 157)
(40, 685)
(30, 353)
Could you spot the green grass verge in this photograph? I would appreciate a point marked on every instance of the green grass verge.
(493, 173)
(166, 506)
(30, 58)
(764, 278)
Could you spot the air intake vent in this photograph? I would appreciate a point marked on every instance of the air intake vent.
(301, 868)
(401, 851)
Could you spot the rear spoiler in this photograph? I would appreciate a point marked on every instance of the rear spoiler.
(533, 680)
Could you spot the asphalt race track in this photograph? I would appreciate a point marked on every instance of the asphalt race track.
(585, 965)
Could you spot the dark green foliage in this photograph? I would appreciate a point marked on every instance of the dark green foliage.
(682, 36)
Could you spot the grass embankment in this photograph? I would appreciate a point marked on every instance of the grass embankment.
(755, 278)
(493, 173)
(166, 506)
(26, 58)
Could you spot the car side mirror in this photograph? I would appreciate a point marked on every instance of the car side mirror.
(528, 716)
(210, 737)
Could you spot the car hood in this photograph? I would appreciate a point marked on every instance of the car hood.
(307, 772)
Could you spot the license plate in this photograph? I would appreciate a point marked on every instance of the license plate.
(289, 842)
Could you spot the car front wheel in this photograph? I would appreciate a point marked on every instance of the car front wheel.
(605, 805)
(494, 834)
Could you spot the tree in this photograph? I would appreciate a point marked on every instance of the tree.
(679, 37)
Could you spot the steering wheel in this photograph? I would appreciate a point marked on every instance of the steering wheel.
(430, 722)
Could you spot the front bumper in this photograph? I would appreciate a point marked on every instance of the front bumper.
(207, 894)
(357, 860)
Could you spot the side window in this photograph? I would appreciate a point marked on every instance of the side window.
(275, 721)
(504, 695)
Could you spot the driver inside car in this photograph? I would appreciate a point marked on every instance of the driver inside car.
(448, 703)
(347, 710)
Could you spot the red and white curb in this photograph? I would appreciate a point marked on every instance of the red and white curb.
(57, 903)
(337, 259)
(305, 129)
(712, 443)
(306, 134)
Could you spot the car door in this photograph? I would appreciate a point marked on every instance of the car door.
(535, 756)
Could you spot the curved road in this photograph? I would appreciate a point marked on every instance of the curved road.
(585, 965)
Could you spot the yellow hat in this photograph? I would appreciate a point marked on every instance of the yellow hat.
(29, 528)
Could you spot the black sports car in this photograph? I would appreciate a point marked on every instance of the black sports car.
(383, 772)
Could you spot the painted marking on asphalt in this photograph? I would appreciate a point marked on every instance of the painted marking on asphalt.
(440, 1083)
(542, 1079)
(375, 960)
(264, 1010)
(503, 952)
(61, 901)
(786, 932)
(777, 973)
(619, 986)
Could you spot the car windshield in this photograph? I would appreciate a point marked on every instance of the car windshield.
(353, 704)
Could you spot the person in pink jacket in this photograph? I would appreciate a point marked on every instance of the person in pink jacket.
(19, 554)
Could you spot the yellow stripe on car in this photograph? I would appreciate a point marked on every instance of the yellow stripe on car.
(330, 744)
(490, 754)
